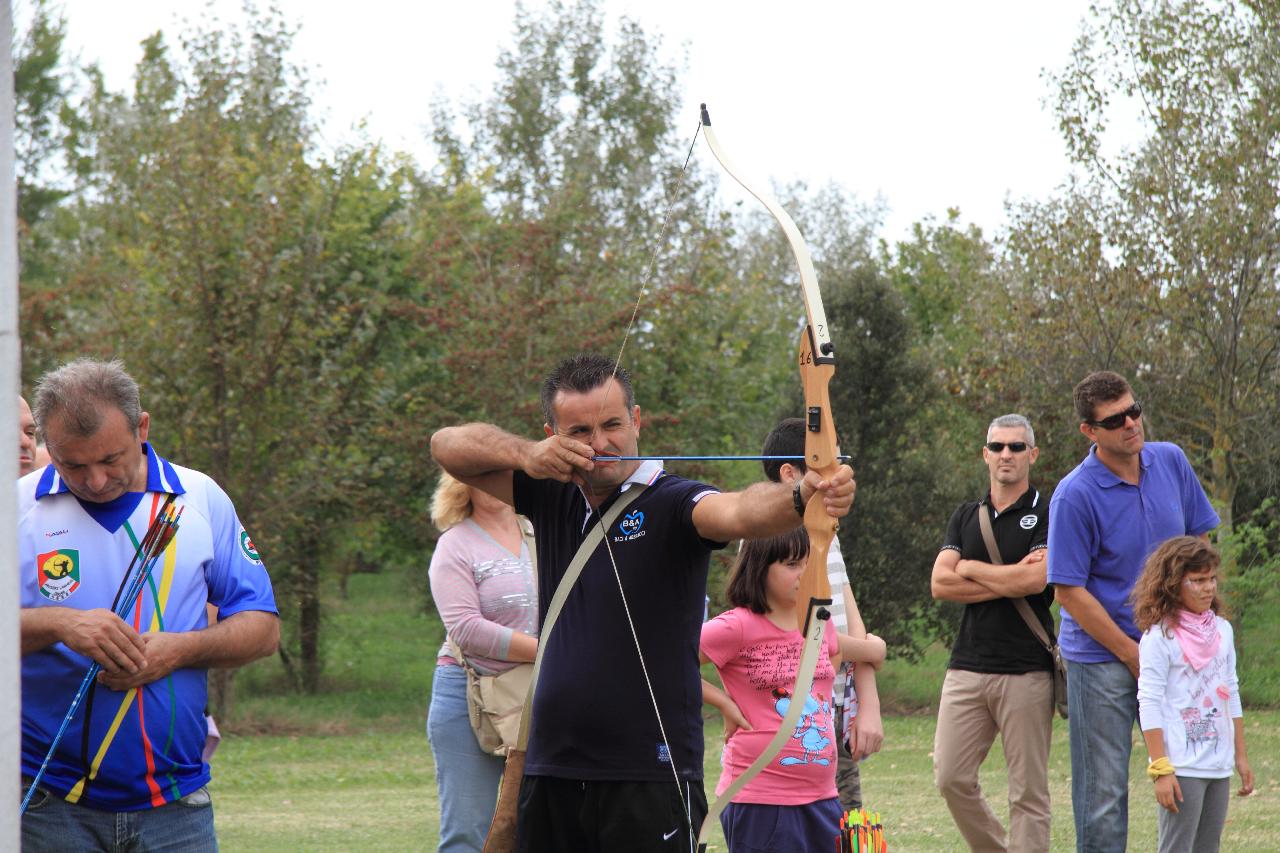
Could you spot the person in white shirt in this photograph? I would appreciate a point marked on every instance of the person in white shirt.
(1188, 694)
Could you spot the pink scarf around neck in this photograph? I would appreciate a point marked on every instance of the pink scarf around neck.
(1198, 635)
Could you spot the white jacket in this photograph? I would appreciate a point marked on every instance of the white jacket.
(1194, 709)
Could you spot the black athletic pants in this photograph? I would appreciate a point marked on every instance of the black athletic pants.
(558, 815)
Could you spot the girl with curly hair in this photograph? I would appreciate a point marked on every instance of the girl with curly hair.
(1188, 694)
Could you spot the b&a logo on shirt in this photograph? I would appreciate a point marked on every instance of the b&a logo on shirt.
(630, 526)
(58, 573)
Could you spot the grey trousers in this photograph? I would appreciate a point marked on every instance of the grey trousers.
(1201, 814)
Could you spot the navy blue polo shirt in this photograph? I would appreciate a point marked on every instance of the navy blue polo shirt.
(993, 636)
(592, 715)
(1102, 529)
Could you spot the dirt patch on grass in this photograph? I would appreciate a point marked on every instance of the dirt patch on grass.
(282, 725)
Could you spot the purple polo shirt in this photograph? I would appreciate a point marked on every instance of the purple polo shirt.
(1102, 529)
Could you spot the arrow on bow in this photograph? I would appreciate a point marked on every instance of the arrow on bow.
(817, 367)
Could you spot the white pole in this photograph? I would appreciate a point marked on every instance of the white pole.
(10, 686)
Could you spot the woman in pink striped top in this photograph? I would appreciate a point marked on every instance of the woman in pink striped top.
(483, 584)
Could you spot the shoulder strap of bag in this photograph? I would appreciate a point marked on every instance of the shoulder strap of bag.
(1024, 609)
(585, 550)
(459, 656)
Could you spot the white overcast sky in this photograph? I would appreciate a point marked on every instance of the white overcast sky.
(928, 104)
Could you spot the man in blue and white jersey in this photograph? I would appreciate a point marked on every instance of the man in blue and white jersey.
(128, 771)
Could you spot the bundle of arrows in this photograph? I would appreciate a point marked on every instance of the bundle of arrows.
(861, 832)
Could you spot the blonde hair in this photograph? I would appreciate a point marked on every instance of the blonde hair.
(451, 502)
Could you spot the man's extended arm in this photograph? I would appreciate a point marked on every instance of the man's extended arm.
(1025, 577)
(767, 509)
(482, 455)
(235, 641)
(1089, 614)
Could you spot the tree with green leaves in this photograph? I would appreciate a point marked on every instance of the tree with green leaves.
(574, 227)
(1176, 274)
(247, 280)
(882, 396)
(46, 121)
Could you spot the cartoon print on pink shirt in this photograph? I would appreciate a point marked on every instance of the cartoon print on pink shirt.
(810, 730)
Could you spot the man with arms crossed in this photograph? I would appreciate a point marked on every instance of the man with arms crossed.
(1109, 514)
(1000, 678)
(601, 772)
(128, 773)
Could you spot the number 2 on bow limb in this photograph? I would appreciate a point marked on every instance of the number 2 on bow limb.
(822, 455)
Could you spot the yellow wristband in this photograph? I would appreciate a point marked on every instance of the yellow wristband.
(1160, 767)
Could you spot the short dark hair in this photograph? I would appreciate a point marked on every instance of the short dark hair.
(746, 587)
(786, 439)
(581, 373)
(1101, 386)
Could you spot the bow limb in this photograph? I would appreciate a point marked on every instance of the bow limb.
(817, 367)
(820, 332)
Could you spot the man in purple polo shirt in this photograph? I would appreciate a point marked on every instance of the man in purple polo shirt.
(1107, 516)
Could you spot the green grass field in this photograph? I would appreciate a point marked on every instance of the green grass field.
(375, 791)
(351, 769)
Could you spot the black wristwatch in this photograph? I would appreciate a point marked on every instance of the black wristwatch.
(796, 499)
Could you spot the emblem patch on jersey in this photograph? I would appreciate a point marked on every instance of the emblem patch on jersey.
(630, 526)
(631, 522)
(1027, 522)
(58, 573)
(248, 549)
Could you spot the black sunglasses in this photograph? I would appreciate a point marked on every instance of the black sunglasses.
(1117, 420)
(999, 446)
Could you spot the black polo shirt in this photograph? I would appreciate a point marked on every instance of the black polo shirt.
(592, 715)
(993, 636)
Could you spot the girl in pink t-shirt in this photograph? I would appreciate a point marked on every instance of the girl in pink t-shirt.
(792, 803)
